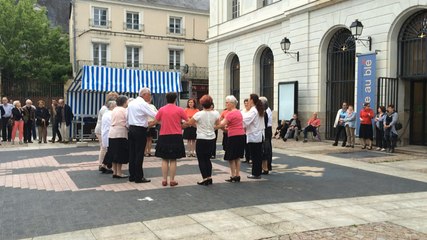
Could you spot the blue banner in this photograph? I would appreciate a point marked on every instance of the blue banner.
(366, 83)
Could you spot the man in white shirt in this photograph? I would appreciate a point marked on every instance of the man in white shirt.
(138, 112)
(6, 128)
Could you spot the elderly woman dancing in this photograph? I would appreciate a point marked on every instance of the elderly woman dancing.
(235, 147)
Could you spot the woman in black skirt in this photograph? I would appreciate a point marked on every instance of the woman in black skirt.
(117, 137)
(235, 148)
(170, 145)
(206, 121)
(190, 132)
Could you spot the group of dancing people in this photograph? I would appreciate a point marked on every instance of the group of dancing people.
(125, 128)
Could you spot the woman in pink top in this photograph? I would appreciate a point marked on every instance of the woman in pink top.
(118, 137)
(170, 145)
(235, 148)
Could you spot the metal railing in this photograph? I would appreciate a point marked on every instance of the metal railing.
(175, 31)
(194, 72)
(133, 27)
(107, 24)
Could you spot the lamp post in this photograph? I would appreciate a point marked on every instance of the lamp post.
(356, 30)
(285, 44)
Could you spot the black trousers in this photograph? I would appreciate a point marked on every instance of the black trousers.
(340, 129)
(379, 138)
(6, 129)
(137, 138)
(255, 150)
(204, 153)
(55, 131)
(213, 154)
(28, 128)
(310, 128)
(247, 151)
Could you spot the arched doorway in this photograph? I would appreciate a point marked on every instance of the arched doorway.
(267, 76)
(340, 76)
(412, 44)
(235, 77)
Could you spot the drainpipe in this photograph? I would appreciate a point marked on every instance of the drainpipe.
(73, 3)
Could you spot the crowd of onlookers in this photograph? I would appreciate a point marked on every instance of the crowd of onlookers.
(30, 122)
(385, 122)
(126, 128)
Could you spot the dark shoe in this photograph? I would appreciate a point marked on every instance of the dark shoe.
(143, 180)
(131, 179)
(231, 179)
(115, 176)
(285, 139)
(264, 172)
(40, 142)
(120, 176)
(352, 146)
(296, 139)
(370, 148)
(108, 171)
(391, 150)
(335, 144)
(347, 146)
(164, 183)
(305, 140)
(30, 141)
(102, 168)
(343, 144)
(237, 178)
(205, 182)
(364, 147)
(254, 177)
(173, 183)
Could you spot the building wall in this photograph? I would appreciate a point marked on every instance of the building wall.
(309, 25)
(154, 40)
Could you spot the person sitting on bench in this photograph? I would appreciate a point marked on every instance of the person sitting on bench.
(281, 129)
(293, 129)
(312, 125)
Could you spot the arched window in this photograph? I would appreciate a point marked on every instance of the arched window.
(235, 77)
(413, 68)
(267, 76)
(340, 76)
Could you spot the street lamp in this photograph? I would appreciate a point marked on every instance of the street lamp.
(285, 44)
(356, 30)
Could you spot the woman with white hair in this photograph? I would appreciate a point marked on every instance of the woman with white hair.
(105, 130)
(235, 148)
(267, 149)
(18, 121)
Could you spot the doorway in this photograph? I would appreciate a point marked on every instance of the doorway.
(418, 113)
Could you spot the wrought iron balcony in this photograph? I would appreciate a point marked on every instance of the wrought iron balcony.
(194, 72)
(175, 31)
(100, 23)
(133, 27)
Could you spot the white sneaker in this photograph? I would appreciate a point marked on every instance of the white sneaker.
(378, 148)
(382, 149)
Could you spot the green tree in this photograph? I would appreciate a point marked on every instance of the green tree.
(30, 49)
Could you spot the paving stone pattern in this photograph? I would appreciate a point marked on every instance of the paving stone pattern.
(68, 193)
(372, 231)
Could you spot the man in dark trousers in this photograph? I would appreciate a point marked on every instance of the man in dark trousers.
(55, 124)
(29, 115)
(138, 113)
(5, 116)
(64, 117)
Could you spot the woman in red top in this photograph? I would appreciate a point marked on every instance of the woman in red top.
(366, 133)
(235, 148)
(170, 145)
(190, 132)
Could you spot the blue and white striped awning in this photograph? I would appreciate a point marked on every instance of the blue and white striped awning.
(86, 94)
(107, 79)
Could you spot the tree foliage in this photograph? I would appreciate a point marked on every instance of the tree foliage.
(30, 49)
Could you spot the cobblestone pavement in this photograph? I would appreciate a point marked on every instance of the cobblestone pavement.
(59, 191)
(374, 231)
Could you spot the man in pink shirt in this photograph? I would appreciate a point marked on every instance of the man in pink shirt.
(312, 125)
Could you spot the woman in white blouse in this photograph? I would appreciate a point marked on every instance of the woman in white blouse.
(105, 129)
(253, 120)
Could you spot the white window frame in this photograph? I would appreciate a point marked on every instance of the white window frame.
(235, 9)
(133, 47)
(107, 18)
(181, 27)
(181, 58)
(100, 52)
(139, 25)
